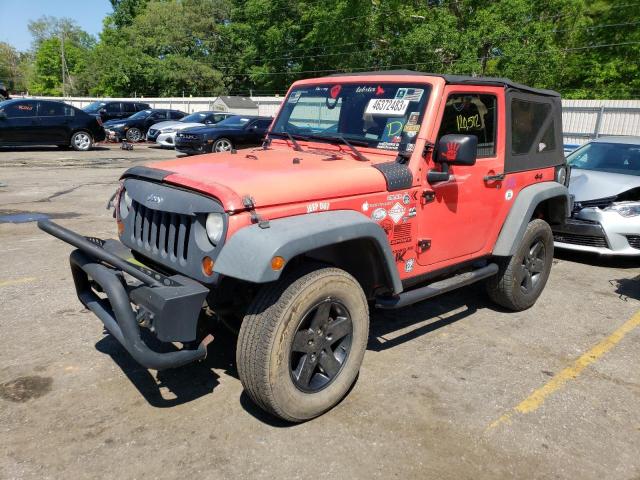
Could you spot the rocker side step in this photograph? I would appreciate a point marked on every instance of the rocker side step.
(436, 288)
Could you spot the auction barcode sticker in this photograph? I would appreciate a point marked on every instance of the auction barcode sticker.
(389, 107)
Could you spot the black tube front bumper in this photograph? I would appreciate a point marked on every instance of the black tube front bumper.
(168, 306)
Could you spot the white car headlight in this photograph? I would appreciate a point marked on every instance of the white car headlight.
(168, 130)
(215, 226)
(626, 209)
(125, 205)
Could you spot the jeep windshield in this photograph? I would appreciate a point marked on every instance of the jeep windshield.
(386, 116)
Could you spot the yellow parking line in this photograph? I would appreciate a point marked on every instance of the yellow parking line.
(6, 283)
(537, 398)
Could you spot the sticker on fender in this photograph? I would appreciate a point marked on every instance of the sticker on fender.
(387, 106)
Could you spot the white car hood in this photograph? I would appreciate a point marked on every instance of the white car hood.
(593, 185)
(175, 124)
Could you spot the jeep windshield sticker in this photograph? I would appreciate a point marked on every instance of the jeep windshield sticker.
(410, 94)
(295, 96)
(392, 130)
(387, 106)
(335, 91)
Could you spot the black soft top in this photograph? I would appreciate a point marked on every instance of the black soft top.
(460, 80)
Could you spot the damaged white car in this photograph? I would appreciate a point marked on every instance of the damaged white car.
(605, 185)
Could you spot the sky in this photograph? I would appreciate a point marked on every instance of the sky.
(14, 17)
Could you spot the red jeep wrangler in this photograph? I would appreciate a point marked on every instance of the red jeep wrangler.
(371, 190)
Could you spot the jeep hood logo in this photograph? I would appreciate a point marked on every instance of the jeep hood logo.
(153, 198)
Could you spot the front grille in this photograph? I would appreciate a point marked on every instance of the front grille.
(600, 203)
(634, 241)
(164, 234)
(585, 240)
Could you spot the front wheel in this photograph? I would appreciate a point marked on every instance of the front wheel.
(134, 135)
(81, 141)
(302, 341)
(222, 145)
(522, 277)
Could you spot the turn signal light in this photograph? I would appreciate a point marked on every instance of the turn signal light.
(120, 228)
(277, 263)
(207, 266)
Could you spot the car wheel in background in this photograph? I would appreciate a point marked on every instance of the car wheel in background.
(134, 135)
(222, 145)
(81, 141)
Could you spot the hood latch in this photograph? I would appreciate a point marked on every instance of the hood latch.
(249, 203)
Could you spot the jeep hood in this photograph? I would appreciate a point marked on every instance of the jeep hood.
(593, 185)
(271, 177)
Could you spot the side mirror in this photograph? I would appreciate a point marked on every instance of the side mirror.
(457, 149)
(453, 150)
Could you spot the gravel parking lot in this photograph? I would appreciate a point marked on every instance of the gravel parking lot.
(450, 388)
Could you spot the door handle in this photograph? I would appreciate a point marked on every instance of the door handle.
(498, 177)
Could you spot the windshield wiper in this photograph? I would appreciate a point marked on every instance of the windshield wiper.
(296, 145)
(341, 138)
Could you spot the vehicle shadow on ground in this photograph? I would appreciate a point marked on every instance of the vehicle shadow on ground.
(182, 385)
(48, 149)
(424, 317)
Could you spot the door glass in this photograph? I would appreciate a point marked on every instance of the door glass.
(129, 108)
(112, 107)
(472, 114)
(51, 109)
(20, 109)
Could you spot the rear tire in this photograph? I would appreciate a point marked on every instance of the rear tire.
(522, 277)
(81, 141)
(302, 341)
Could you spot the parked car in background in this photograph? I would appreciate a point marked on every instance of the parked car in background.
(4, 92)
(605, 183)
(115, 110)
(135, 127)
(232, 132)
(46, 122)
(164, 133)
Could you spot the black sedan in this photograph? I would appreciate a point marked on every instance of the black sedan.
(234, 132)
(134, 128)
(46, 122)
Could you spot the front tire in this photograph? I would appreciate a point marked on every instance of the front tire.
(222, 145)
(81, 141)
(302, 341)
(134, 135)
(522, 277)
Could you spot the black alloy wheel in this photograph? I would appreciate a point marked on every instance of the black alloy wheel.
(320, 346)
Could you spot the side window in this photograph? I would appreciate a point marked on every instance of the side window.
(527, 120)
(20, 109)
(175, 115)
(129, 108)
(50, 109)
(216, 118)
(113, 107)
(142, 106)
(158, 115)
(69, 111)
(263, 124)
(472, 114)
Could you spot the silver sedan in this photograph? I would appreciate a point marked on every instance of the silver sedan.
(605, 185)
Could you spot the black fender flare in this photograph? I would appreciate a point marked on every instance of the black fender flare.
(521, 212)
(247, 254)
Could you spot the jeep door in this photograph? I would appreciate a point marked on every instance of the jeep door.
(20, 123)
(463, 212)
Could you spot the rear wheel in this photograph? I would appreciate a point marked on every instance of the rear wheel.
(81, 141)
(302, 342)
(523, 276)
(134, 135)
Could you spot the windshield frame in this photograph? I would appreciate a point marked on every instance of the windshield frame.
(361, 141)
(573, 155)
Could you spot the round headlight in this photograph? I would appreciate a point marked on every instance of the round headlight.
(215, 226)
(125, 205)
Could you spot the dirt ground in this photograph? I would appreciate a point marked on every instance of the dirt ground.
(450, 388)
